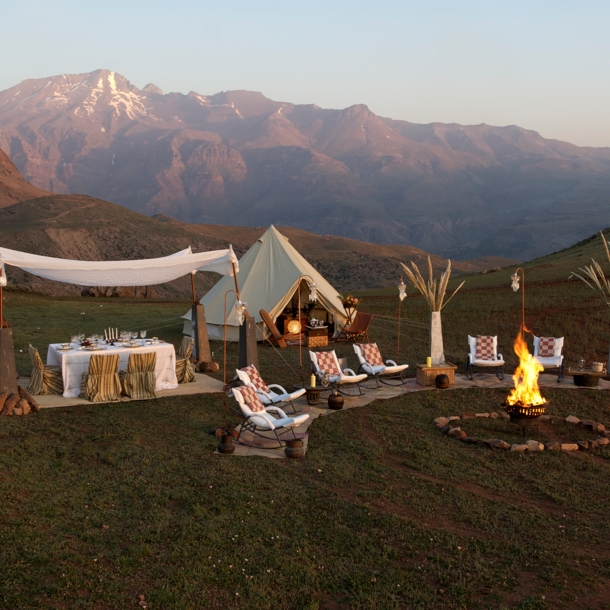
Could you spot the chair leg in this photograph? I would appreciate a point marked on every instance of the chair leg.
(469, 371)
(500, 373)
(560, 375)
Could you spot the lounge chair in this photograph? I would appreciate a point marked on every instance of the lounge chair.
(44, 379)
(358, 330)
(547, 350)
(327, 362)
(249, 376)
(258, 419)
(372, 364)
(276, 336)
(185, 371)
(483, 353)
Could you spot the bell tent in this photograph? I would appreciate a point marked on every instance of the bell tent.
(270, 273)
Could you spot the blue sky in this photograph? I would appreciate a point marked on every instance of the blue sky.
(539, 64)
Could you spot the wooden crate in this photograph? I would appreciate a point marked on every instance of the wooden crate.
(427, 375)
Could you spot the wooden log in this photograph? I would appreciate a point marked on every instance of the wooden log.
(27, 396)
(3, 397)
(10, 404)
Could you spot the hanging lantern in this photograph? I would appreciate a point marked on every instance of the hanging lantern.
(313, 292)
(402, 290)
(515, 281)
(240, 312)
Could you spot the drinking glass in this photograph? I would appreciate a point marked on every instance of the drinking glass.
(325, 379)
(134, 335)
(143, 334)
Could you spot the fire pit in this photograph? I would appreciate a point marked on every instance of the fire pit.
(525, 403)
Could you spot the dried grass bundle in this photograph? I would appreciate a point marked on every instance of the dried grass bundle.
(597, 280)
(432, 290)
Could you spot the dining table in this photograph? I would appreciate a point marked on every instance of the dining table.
(74, 361)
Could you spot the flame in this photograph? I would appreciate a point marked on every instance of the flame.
(526, 389)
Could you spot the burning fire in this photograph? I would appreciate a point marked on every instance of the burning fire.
(526, 390)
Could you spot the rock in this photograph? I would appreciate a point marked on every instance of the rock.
(17, 411)
(445, 429)
(24, 405)
(467, 415)
(554, 446)
(588, 423)
(592, 444)
(534, 446)
(519, 448)
(470, 440)
(583, 445)
(454, 417)
(459, 435)
(599, 428)
(572, 420)
(569, 447)
(454, 431)
(482, 443)
(481, 414)
(607, 433)
(602, 441)
(494, 415)
(544, 418)
(10, 403)
(504, 415)
(498, 443)
(439, 422)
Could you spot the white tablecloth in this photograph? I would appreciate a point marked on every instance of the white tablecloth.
(76, 362)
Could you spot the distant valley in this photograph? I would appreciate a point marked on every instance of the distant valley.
(239, 158)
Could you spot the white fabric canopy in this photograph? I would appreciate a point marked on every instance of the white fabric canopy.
(145, 272)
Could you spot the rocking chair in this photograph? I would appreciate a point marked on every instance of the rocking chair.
(249, 376)
(483, 353)
(372, 364)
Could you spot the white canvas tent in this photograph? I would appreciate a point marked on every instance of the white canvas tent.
(269, 275)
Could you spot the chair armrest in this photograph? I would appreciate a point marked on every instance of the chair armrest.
(499, 357)
(391, 362)
(349, 372)
(265, 416)
(263, 393)
(277, 410)
(470, 358)
(279, 387)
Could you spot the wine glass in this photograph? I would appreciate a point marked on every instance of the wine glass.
(325, 379)
(143, 334)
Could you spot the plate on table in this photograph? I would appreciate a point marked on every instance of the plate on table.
(92, 348)
(64, 349)
(130, 346)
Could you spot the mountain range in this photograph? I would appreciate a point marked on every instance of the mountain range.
(239, 158)
(82, 227)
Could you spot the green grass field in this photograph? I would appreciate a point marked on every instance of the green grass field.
(103, 503)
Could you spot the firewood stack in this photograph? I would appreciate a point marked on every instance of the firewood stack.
(17, 403)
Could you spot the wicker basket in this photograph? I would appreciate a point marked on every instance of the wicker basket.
(319, 341)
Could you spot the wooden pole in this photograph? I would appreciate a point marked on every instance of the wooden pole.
(398, 347)
(193, 288)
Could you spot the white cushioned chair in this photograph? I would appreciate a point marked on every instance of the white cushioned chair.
(327, 362)
(257, 418)
(483, 353)
(372, 364)
(250, 376)
(555, 361)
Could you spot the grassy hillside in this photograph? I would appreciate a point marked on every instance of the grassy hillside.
(80, 227)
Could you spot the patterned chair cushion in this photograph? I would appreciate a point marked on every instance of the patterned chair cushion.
(371, 354)
(251, 399)
(327, 362)
(255, 378)
(485, 348)
(546, 347)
